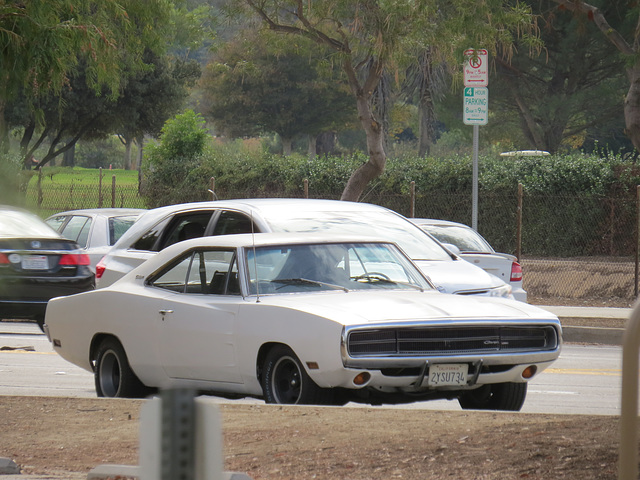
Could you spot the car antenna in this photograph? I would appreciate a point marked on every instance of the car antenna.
(255, 260)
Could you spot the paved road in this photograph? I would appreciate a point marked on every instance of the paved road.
(585, 380)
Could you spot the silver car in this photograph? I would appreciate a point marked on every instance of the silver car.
(95, 230)
(472, 247)
(164, 226)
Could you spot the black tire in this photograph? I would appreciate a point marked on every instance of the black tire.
(113, 375)
(285, 381)
(499, 396)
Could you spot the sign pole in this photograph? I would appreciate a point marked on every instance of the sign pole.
(475, 111)
(474, 193)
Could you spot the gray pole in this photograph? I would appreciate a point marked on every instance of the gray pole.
(474, 193)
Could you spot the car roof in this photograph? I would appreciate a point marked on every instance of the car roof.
(434, 221)
(150, 217)
(280, 238)
(107, 212)
(248, 240)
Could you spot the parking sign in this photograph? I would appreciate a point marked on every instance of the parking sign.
(476, 105)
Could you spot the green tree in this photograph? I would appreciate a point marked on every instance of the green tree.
(45, 42)
(575, 84)
(371, 37)
(171, 165)
(252, 89)
(627, 40)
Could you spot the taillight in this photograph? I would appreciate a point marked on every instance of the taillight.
(4, 260)
(75, 259)
(100, 268)
(516, 272)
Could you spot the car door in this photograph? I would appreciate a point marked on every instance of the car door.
(198, 316)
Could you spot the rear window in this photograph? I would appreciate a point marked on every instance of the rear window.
(23, 224)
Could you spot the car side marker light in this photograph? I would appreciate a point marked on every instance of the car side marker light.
(530, 371)
(362, 378)
(313, 365)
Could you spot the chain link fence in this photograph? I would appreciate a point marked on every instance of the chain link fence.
(574, 249)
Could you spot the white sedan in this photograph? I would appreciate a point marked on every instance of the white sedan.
(300, 318)
(472, 247)
(96, 230)
(161, 227)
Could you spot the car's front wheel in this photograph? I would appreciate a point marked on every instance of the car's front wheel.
(285, 381)
(499, 396)
(113, 375)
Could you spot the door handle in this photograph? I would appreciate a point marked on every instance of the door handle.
(164, 312)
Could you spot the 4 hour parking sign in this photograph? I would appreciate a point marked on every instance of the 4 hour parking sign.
(476, 105)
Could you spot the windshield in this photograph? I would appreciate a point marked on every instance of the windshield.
(338, 266)
(466, 239)
(378, 224)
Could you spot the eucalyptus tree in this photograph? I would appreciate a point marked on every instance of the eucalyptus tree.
(627, 40)
(572, 87)
(371, 37)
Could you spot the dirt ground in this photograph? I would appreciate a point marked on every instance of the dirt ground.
(66, 437)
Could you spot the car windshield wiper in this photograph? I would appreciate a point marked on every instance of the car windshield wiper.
(378, 277)
(306, 281)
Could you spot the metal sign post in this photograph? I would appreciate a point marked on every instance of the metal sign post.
(475, 111)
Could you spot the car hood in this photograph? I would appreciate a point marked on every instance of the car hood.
(354, 308)
(458, 276)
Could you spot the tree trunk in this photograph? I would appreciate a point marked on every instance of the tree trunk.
(311, 148)
(632, 106)
(128, 142)
(326, 143)
(69, 157)
(426, 114)
(4, 130)
(140, 142)
(286, 146)
(375, 147)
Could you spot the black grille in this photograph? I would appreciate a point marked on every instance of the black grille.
(450, 340)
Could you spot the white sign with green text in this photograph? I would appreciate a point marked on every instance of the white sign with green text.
(476, 105)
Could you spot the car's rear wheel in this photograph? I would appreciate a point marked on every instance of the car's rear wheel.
(285, 381)
(499, 396)
(113, 375)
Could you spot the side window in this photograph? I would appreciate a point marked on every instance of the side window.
(77, 228)
(175, 278)
(233, 222)
(119, 225)
(185, 227)
(56, 222)
(149, 240)
(202, 272)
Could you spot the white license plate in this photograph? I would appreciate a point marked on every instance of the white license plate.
(35, 262)
(448, 374)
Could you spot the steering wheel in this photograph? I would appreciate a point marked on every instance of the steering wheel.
(371, 275)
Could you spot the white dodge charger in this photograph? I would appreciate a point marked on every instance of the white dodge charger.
(301, 318)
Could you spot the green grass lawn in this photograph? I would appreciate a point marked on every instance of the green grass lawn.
(65, 188)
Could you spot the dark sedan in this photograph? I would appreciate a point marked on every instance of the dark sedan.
(37, 264)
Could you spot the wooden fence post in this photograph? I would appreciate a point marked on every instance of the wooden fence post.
(305, 183)
(412, 202)
(40, 197)
(113, 191)
(212, 190)
(100, 196)
(636, 272)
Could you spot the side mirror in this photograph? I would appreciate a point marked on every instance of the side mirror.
(452, 248)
